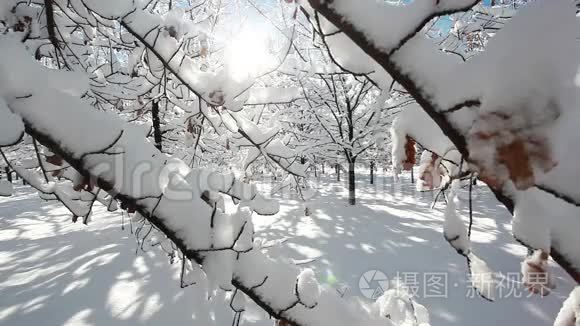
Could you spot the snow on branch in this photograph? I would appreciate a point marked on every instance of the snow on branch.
(517, 130)
(569, 315)
(357, 34)
(161, 190)
(149, 58)
(373, 18)
(413, 122)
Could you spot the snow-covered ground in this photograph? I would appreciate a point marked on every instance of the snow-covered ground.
(54, 272)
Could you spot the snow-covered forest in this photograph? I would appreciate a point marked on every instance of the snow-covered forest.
(289, 162)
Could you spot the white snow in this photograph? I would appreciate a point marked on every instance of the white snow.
(482, 277)
(395, 232)
(531, 223)
(553, 230)
(399, 305)
(108, 8)
(535, 273)
(454, 228)
(415, 123)
(6, 188)
(429, 171)
(307, 288)
(528, 99)
(570, 313)
(529, 92)
(11, 126)
(374, 18)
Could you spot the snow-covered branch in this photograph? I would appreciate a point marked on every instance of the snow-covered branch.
(507, 145)
(174, 199)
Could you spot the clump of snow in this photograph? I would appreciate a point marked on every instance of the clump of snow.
(415, 123)
(482, 277)
(429, 171)
(228, 184)
(47, 96)
(307, 288)
(192, 274)
(11, 125)
(218, 266)
(110, 8)
(242, 219)
(569, 315)
(454, 229)
(525, 94)
(530, 223)
(264, 206)
(398, 305)
(535, 273)
(6, 189)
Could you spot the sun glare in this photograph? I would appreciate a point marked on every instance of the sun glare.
(248, 55)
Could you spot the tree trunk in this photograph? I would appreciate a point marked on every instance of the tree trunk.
(8, 174)
(372, 172)
(412, 176)
(351, 184)
(156, 125)
(337, 172)
(323, 167)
